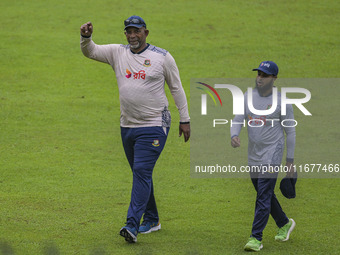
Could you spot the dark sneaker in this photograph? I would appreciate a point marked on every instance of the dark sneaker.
(148, 227)
(129, 233)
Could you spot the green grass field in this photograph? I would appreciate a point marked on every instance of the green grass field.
(64, 180)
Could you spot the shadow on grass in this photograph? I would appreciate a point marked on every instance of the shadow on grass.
(5, 248)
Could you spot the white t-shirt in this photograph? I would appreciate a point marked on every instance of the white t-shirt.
(141, 78)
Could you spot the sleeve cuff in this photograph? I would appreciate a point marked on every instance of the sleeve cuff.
(85, 36)
(184, 119)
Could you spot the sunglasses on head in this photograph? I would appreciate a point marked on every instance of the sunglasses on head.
(134, 21)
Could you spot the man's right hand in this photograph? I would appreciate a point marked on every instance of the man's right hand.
(86, 29)
(235, 142)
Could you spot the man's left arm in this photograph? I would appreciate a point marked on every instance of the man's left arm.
(173, 80)
(290, 139)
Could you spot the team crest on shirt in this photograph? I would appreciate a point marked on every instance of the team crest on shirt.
(147, 63)
(155, 143)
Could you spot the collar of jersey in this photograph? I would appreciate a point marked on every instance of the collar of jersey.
(147, 46)
(259, 92)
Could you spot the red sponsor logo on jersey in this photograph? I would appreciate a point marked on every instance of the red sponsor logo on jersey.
(136, 76)
(262, 120)
(128, 74)
(139, 75)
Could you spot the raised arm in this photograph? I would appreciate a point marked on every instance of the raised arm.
(102, 53)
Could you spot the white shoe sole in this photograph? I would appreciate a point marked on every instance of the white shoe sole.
(155, 228)
(290, 230)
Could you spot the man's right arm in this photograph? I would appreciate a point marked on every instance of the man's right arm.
(90, 49)
(235, 130)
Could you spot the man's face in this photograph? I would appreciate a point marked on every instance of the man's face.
(136, 37)
(264, 82)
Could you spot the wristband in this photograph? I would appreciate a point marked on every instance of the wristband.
(85, 36)
(187, 122)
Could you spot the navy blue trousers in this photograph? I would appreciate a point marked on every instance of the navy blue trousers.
(142, 148)
(266, 203)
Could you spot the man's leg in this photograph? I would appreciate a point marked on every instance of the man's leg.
(149, 143)
(265, 191)
(129, 232)
(151, 213)
(275, 210)
(277, 213)
(128, 141)
(254, 243)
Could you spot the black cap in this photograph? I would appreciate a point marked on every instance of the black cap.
(287, 186)
(134, 21)
(268, 67)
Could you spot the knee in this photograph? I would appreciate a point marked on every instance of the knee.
(141, 171)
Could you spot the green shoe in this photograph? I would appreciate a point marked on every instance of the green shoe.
(253, 245)
(284, 232)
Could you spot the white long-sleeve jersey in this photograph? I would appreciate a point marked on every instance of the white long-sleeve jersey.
(141, 78)
(266, 139)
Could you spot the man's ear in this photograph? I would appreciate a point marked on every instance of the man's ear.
(146, 32)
